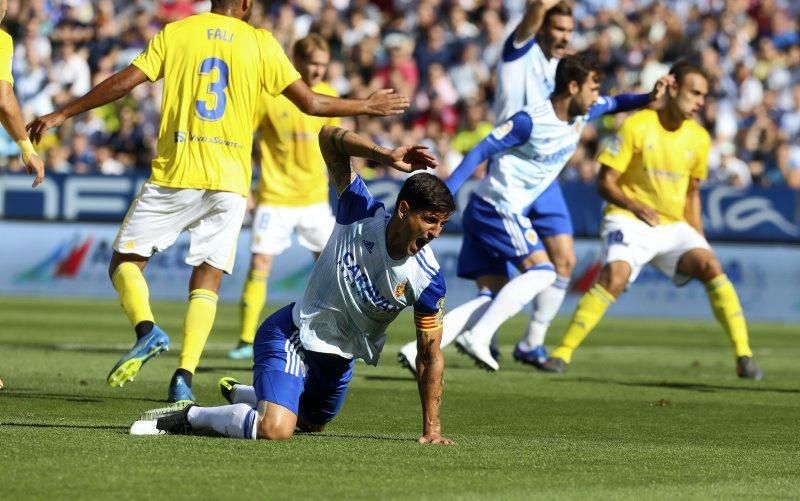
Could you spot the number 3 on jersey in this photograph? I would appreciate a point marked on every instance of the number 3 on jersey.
(214, 107)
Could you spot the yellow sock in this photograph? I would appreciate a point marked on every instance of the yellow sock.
(134, 295)
(253, 298)
(196, 327)
(728, 311)
(590, 310)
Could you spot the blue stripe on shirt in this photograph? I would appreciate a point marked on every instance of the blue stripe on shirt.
(511, 52)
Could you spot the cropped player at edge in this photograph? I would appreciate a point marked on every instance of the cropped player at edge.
(292, 194)
(651, 177)
(216, 68)
(10, 114)
(372, 268)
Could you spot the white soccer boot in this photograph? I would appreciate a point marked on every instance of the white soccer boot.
(477, 351)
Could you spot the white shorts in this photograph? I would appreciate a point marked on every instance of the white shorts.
(158, 215)
(273, 228)
(637, 243)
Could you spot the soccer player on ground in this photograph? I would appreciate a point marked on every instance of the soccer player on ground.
(10, 114)
(216, 68)
(651, 177)
(372, 267)
(526, 76)
(527, 153)
(292, 193)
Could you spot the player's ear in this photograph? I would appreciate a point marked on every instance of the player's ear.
(573, 87)
(402, 209)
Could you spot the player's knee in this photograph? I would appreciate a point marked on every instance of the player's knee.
(614, 279)
(270, 429)
(564, 263)
(709, 269)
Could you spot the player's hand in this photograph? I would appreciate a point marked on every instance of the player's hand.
(661, 86)
(39, 125)
(646, 214)
(549, 4)
(34, 165)
(435, 439)
(412, 158)
(387, 102)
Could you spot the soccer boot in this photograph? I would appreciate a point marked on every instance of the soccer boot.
(747, 368)
(226, 385)
(478, 352)
(557, 365)
(494, 349)
(146, 424)
(407, 357)
(130, 364)
(535, 357)
(242, 352)
(179, 391)
(176, 423)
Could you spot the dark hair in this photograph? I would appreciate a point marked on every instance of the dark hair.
(424, 191)
(576, 68)
(561, 9)
(682, 68)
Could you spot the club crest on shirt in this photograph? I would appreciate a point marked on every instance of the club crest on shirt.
(400, 290)
(502, 131)
(614, 144)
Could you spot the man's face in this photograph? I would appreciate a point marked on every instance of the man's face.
(313, 68)
(3, 8)
(689, 96)
(420, 227)
(555, 35)
(585, 96)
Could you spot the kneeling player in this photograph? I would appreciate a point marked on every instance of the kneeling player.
(650, 177)
(372, 267)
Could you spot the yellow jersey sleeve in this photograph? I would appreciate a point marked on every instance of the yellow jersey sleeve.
(619, 151)
(6, 57)
(278, 71)
(151, 60)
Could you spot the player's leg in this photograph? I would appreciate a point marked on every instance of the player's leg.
(155, 219)
(508, 236)
(701, 263)
(551, 221)
(212, 252)
(627, 246)
(271, 235)
(325, 390)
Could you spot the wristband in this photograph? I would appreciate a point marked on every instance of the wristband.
(26, 149)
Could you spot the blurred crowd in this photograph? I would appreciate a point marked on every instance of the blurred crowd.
(441, 53)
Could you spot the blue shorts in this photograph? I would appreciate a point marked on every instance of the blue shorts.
(549, 214)
(494, 240)
(312, 385)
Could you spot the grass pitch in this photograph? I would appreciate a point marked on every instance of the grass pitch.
(649, 409)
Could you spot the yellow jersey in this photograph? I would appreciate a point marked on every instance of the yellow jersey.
(657, 164)
(293, 172)
(6, 57)
(215, 70)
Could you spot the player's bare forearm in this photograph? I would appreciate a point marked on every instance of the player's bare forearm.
(608, 186)
(533, 19)
(693, 209)
(109, 90)
(338, 145)
(430, 370)
(10, 114)
(382, 103)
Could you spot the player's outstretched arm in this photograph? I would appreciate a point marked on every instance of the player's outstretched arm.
(608, 186)
(533, 19)
(430, 371)
(11, 118)
(338, 145)
(110, 89)
(628, 102)
(384, 102)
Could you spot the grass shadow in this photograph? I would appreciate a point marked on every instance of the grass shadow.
(66, 425)
(69, 397)
(224, 368)
(405, 379)
(698, 387)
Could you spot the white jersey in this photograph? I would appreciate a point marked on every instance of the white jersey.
(356, 290)
(534, 146)
(525, 77)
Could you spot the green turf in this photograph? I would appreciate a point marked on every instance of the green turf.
(649, 409)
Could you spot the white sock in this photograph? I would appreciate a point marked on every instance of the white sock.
(545, 308)
(235, 421)
(458, 320)
(243, 394)
(511, 299)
